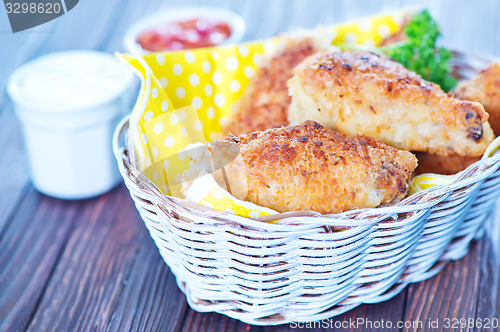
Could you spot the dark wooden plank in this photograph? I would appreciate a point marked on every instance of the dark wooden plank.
(120, 281)
(144, 292)
(488, 301)
(495, 35)
(150, 299)
(29, 250)
(20, 47)
(389, 311)
(451, 294)
(265, 18)
(212, 322)
(13, 167)
(92, 270)
(85, 27)
(129, 13)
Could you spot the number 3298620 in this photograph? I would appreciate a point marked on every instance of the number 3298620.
(32, 8)
(455, 323)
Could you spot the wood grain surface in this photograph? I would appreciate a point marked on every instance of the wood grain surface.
(91, 265)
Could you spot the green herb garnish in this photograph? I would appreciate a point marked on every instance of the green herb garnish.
(420, 54)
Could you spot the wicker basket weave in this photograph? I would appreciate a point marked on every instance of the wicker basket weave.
(309, 266)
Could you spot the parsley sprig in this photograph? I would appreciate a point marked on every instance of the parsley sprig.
(420, 54)
(419, 51)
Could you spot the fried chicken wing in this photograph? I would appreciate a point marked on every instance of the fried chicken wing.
(265, 101)
(308, 167)
(364, 93)
(485, 89)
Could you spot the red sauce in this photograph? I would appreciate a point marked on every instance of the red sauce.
(193, 33)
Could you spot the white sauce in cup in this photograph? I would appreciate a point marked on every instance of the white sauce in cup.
(69, 104)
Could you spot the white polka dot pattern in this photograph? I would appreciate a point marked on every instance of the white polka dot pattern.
(194, 79)
(160, 58)
(217, 77)
(177, 69)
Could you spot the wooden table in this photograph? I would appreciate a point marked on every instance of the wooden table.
(91, 265)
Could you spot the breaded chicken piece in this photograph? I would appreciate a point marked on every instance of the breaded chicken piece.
(447, 165)
(364, 93)
(265, 101)
(309, 167)
(485, 89)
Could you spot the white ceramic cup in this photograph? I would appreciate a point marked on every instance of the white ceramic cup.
(69, 104)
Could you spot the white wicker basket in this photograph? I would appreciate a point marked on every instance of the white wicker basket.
(309, 266)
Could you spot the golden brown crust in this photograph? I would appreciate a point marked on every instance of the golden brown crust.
(485, 89)
(309, 167)
(447, 165)
(265, 101)
(364, 93)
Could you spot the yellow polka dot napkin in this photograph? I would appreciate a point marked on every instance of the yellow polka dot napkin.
(206, 191)
(186, 96)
